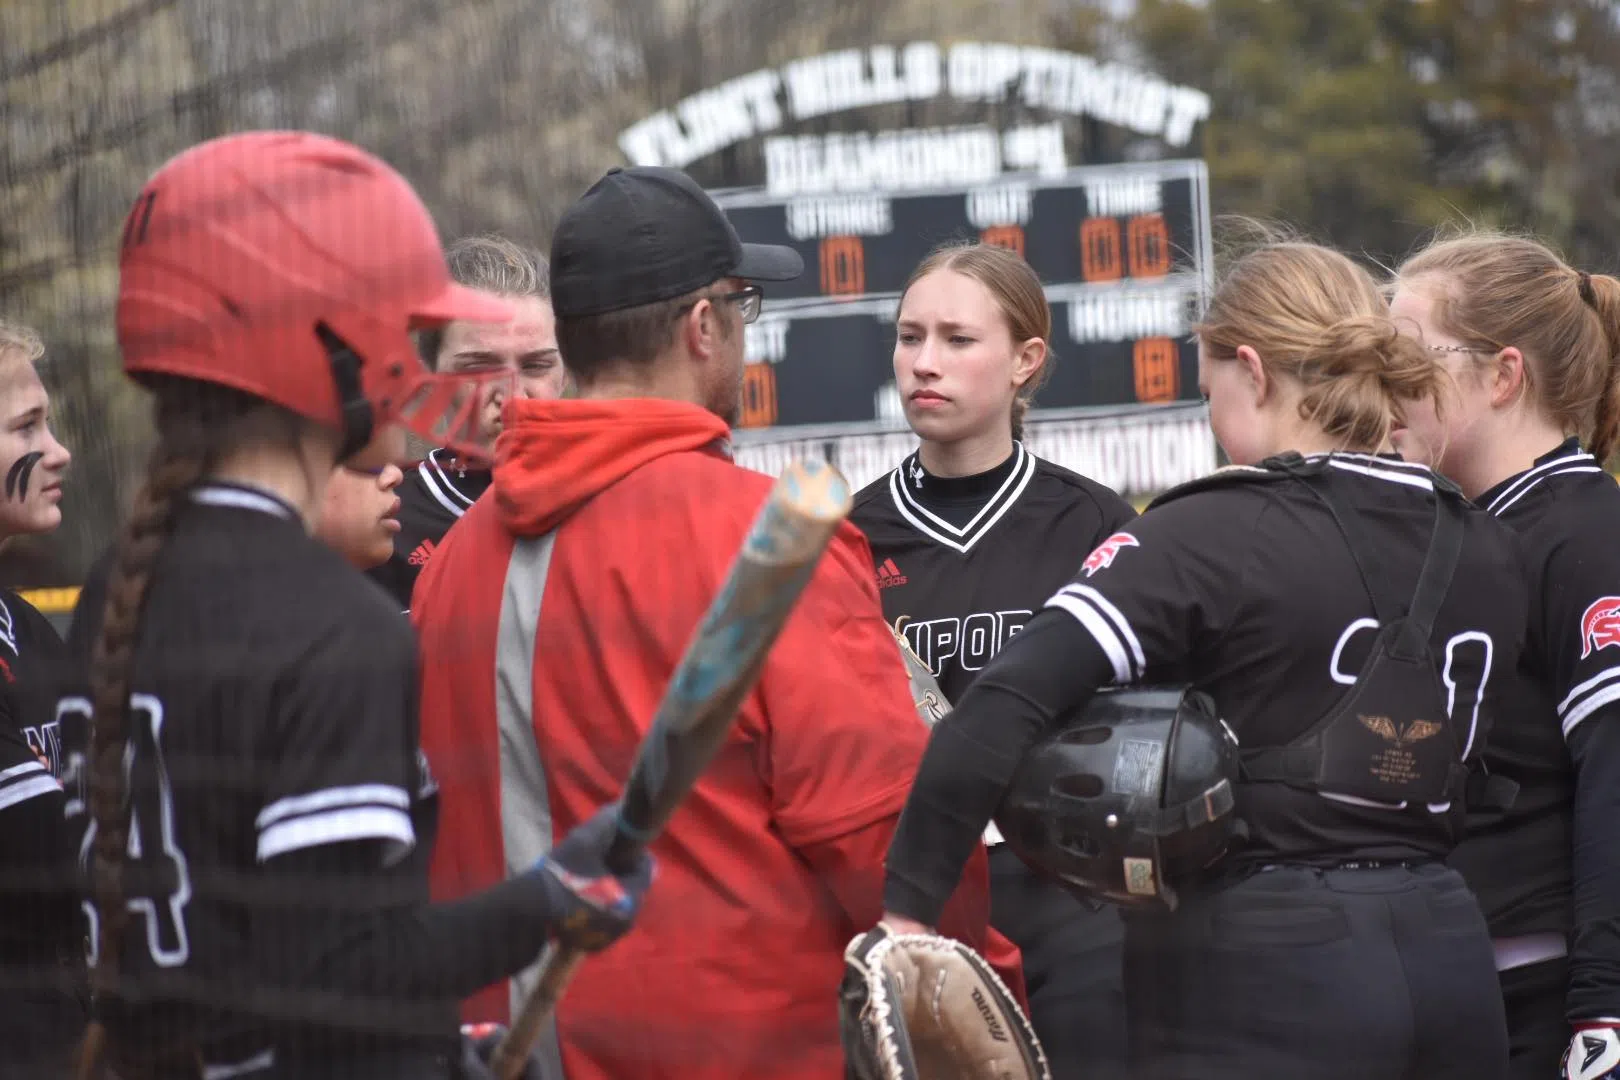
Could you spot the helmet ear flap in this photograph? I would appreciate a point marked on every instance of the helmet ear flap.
(359, 418)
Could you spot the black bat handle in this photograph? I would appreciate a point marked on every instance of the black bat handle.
(623, 850)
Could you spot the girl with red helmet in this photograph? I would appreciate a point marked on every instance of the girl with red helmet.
(241, 729)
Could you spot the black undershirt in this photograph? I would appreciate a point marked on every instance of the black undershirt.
(957, 499)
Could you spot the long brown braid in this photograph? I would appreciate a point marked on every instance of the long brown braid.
(198, 424)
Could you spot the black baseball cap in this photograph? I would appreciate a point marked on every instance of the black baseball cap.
(650, 233)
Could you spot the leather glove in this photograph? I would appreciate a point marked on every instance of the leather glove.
(593, 907)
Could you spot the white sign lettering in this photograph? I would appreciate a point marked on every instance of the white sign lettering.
(853, 78)
(1134, 455)
(1128, 315)
(886, 402)
(707, 121)
(765, 341)
(1118, 198)
(1061, 82)
(839, 215)
(1003, 204)
(1039, 147)
(885, 161)
(907, 159)
(1130, 458)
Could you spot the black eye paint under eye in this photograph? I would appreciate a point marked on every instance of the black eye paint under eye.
(17, 476)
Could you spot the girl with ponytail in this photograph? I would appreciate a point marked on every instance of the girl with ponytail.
(244, 783)
(969, 534)
(1529, 348)
(1287, 910)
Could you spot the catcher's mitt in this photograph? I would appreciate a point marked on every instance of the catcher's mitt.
(924, 1007)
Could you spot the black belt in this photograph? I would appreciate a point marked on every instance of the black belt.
(1350, 864)
(1225, 874)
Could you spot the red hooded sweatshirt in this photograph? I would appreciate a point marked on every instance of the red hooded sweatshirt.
(775, 860)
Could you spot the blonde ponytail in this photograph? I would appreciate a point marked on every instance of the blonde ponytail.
(1604, 297)
(1361, 377)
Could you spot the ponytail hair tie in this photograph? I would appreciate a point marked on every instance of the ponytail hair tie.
(1585, 285)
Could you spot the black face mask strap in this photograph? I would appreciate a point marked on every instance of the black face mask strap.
(1445, 548)
(1320, 482)
(358, 417)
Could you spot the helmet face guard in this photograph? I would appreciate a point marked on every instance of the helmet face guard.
(455, 410)
(1133, 797)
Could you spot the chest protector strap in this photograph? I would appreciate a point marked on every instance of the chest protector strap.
(1390, 739)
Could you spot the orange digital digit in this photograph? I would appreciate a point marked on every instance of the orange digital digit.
(1148, 242)
(1007, 236)
(843, 266)
(758, 396)
(1157, 363)
(1099, 249)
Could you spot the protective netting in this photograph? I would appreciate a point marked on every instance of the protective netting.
(500, 112)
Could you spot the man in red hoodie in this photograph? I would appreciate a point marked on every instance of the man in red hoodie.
(553, 614)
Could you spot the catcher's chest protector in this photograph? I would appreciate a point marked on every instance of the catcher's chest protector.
(1390, 739)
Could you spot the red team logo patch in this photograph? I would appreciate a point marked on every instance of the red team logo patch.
(1600, 626)
(1103, 556)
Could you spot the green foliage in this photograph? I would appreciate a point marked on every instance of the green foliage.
(1369, 122)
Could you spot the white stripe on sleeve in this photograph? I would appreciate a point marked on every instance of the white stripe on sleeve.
(1107, 626)
(17, 772)
(339, 826)
(1116, 618)
(31, 788)
(1587, 699)
(329, 798)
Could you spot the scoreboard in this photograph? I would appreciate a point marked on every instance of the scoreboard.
(1122, 250)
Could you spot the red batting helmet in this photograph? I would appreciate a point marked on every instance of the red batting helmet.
(293, 267)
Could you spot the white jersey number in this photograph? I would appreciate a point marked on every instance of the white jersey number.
(158, 883)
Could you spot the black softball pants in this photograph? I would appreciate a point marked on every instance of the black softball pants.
(1378, 973)
(1073, 959)
(1538, 1033)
